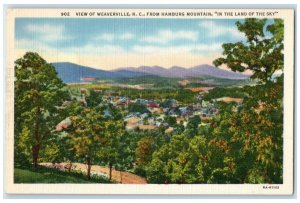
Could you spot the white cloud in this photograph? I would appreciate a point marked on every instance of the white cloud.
(34, 45)
(92, 49)
(106, 37)
(46, 32)
(204, 48)
(215, 30)
(111, 36)
(111, 48)
(89, 49)
(126, 36)
(165, 36)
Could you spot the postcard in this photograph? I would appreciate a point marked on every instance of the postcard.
(149, 101)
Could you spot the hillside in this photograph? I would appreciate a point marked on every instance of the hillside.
(73, 73)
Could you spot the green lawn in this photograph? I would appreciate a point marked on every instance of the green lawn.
(45, 175)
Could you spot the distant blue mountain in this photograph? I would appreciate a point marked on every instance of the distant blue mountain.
(209, 70)
(73, 73)
(181, 72)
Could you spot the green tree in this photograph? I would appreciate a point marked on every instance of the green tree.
(144, 150)
(179, 128)
(156, 169)
(86, 135)
(182, 160)
(171, 120)
(94, 98)
(138, 107)
(261, 54)
(193, 126)
(38, 94)
(253, 137)
(111, 151)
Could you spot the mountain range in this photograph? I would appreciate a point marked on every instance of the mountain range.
(73, 73)
(181, 72)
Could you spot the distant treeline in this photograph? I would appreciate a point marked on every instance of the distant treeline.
(219, 92)
(180, 94)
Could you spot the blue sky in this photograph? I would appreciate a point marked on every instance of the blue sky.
(113, 43)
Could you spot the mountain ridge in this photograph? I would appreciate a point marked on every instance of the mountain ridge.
(73, 73)
(195, 71)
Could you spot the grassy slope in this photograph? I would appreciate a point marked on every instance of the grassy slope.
(51, 176)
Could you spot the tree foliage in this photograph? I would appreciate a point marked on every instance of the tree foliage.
(94, 98)
(144, 150)
(255, 133)
(261, 53)
(38, 94)
(138, 107)
(86, 135)
(193, 126)
(180, 161)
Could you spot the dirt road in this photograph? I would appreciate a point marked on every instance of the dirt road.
(118, 176)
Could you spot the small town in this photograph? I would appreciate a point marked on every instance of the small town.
(152, 114)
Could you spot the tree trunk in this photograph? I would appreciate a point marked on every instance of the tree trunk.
(70, 167)
(35, 154)
(36, 147)
(110, 171)
(121, 177)
(89, 166)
